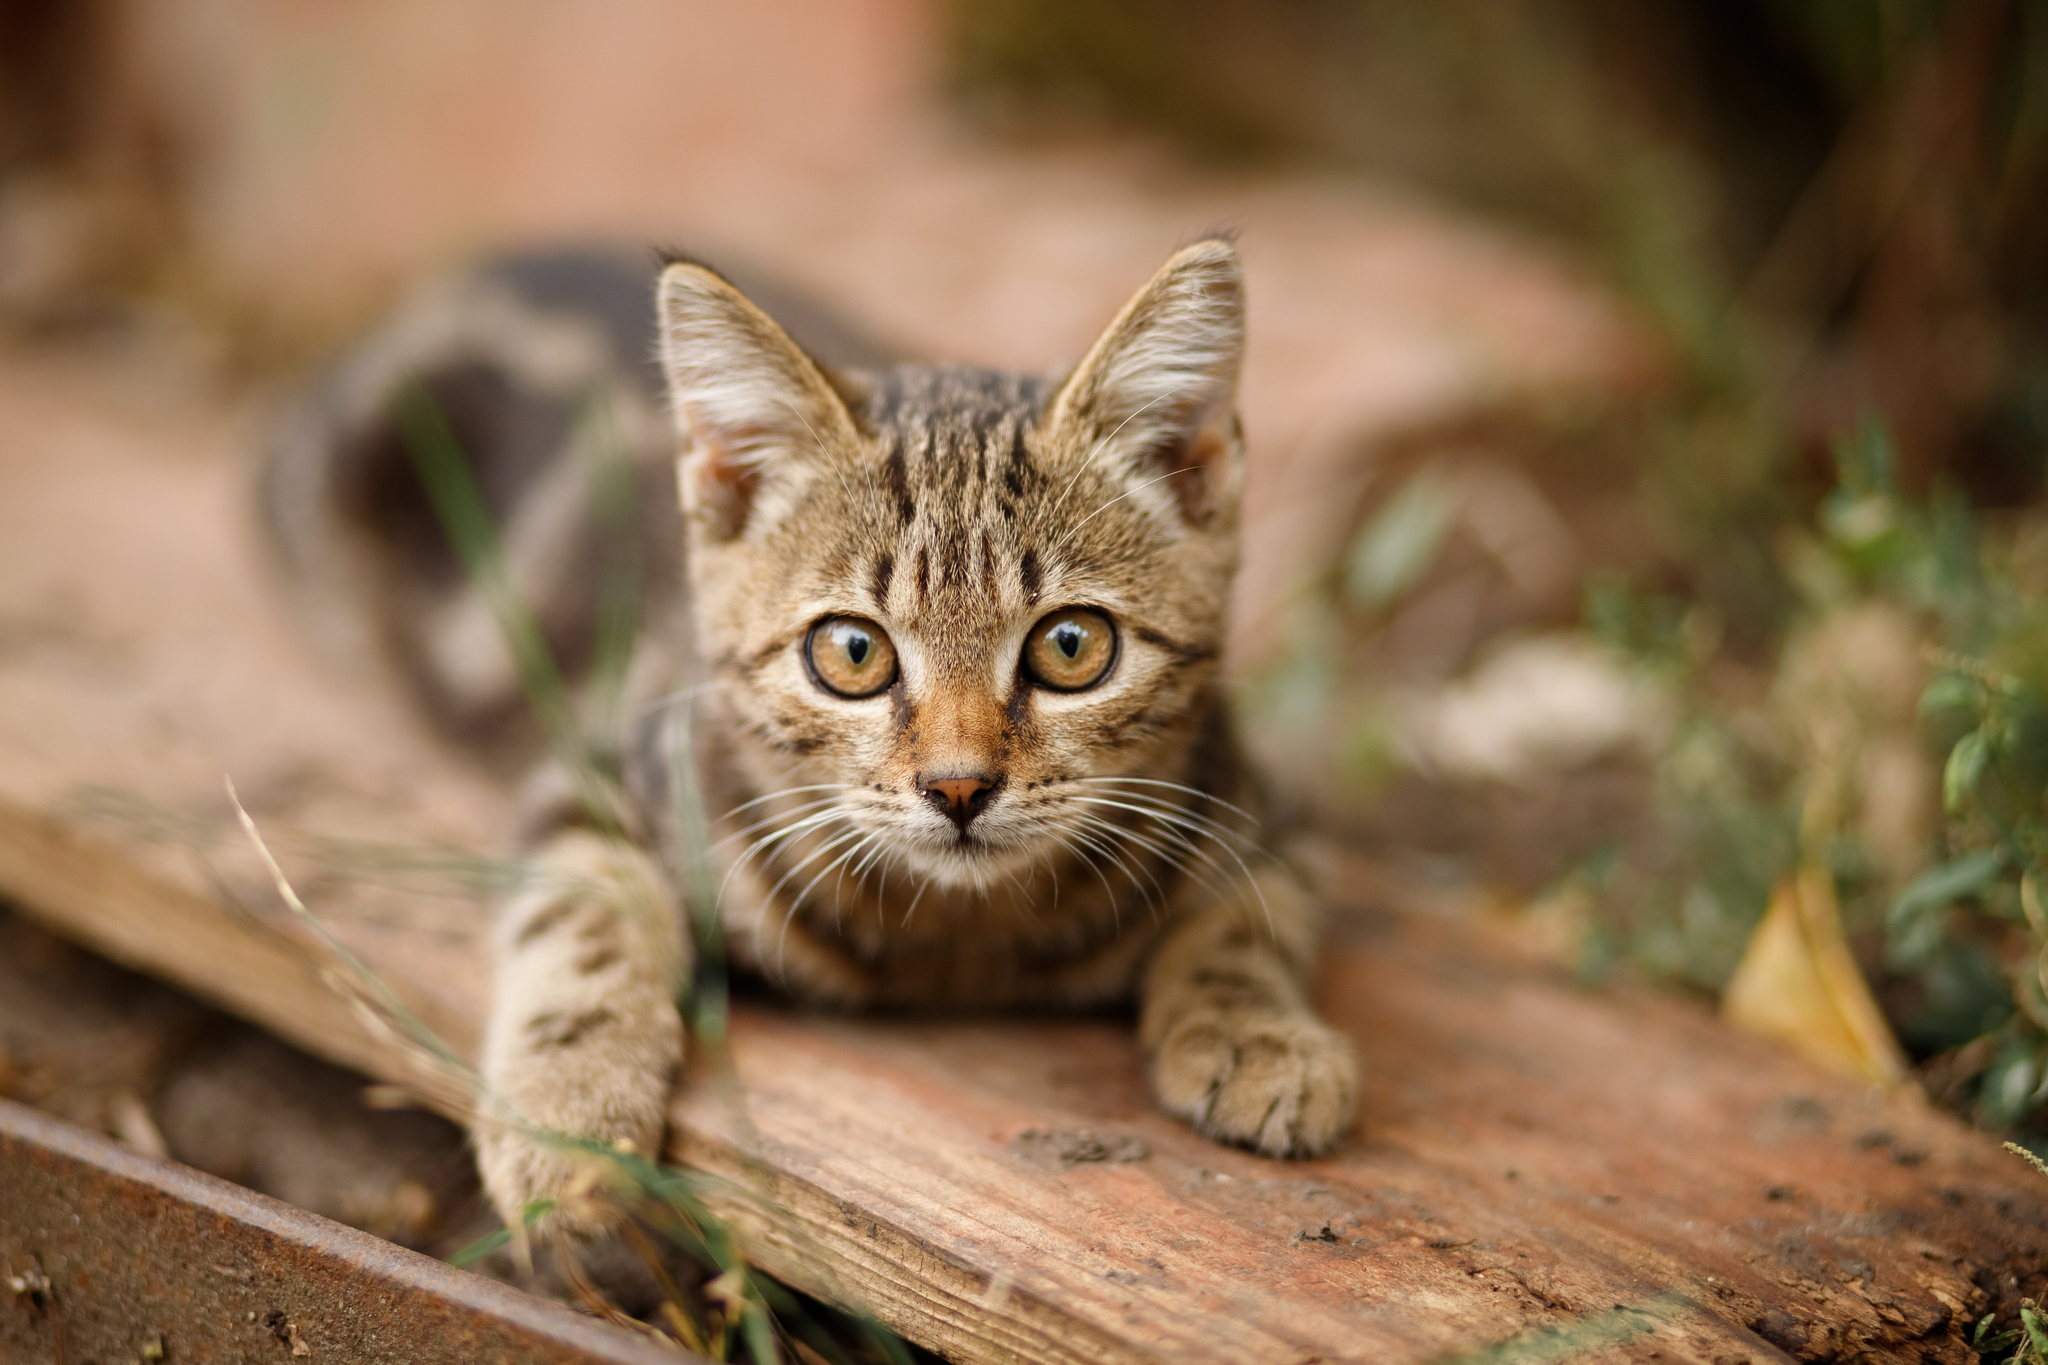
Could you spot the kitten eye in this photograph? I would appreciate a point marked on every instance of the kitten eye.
(850, 657)
(1070, 650)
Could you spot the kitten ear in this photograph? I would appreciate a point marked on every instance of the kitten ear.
(753, 410)
(1157, 395)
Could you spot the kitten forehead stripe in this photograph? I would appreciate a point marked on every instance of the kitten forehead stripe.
(899, 481)
(885, 569)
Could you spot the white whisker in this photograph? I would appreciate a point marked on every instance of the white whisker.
(1109, 851)
(1168, 828)
(821, 820)
(795, 903)
(836, 841)
(838, 864)
(668, 699)
(1188, 820)
(779, 815)
(1136, 842)
(1165, 852)
(1179, 787)
(792, 791)
(1061, 838)
(923, 886)
(1059, 504)
(881, 851)
(1075, 529)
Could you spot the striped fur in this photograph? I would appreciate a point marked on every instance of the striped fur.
(1114, 847)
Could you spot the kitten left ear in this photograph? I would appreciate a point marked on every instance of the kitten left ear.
(753, 410)
(1157, 394)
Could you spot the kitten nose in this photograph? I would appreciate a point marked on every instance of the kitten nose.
(960, 796)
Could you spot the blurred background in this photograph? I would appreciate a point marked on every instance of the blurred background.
(1649, 401)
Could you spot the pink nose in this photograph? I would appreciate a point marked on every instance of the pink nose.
(960, 798)
(958, 791)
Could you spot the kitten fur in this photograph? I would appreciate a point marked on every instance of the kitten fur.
(964, 836)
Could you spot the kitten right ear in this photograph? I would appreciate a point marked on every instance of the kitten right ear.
(1155, 399)
(752, 408)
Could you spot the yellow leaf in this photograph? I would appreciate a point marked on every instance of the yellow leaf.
(1799, 985)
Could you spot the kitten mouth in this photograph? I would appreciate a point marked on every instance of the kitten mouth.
(966, 845)
(968, 858)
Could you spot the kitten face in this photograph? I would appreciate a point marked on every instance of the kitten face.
(936, 605)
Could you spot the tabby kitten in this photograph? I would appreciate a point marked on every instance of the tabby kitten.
(947, 655)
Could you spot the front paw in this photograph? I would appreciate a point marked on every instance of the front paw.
(546, 1157)
(1282, 1083)
(552, 1189)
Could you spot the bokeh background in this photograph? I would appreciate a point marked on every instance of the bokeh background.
(1649, 401)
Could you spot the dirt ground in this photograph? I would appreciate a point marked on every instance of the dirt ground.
(129, 1056)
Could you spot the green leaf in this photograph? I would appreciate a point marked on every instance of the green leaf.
(480, 1248)
(1865, 459)
(1945, 882)
(2007, 1091)
(2023, 752)
(1649, 628)
(1912, 926)
(759, 1332)
(2036, 1333)
(1982, 1342)
(1965, 765)
(1951, 692)
(1867, 527)
(1950, 557)
(1964, 994)
(1397, 545)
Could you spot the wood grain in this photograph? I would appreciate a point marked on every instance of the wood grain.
(143, 659)
(1533, 1157)
(1610, 1172)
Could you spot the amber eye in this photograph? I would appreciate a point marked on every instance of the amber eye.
(850, 657)
(1070, 650)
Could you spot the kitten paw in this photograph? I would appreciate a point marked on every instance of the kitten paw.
(591, 1105)
(1283, 1084)
(551, 1192)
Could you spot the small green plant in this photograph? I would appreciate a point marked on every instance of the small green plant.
(1902, 743)
(1971, 927)
(2029, 1340)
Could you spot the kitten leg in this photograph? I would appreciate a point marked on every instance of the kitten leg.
(1235, 1047)
(584, 1038)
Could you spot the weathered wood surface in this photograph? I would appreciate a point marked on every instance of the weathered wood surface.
(143, 657)
(1532, 1155)
(1614, 1166)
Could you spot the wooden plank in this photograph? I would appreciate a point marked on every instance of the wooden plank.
(1616, 1167)
(142, 660)
(128, 1250)
(1532, 1156)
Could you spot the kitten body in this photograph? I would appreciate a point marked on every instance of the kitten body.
(945, 674)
